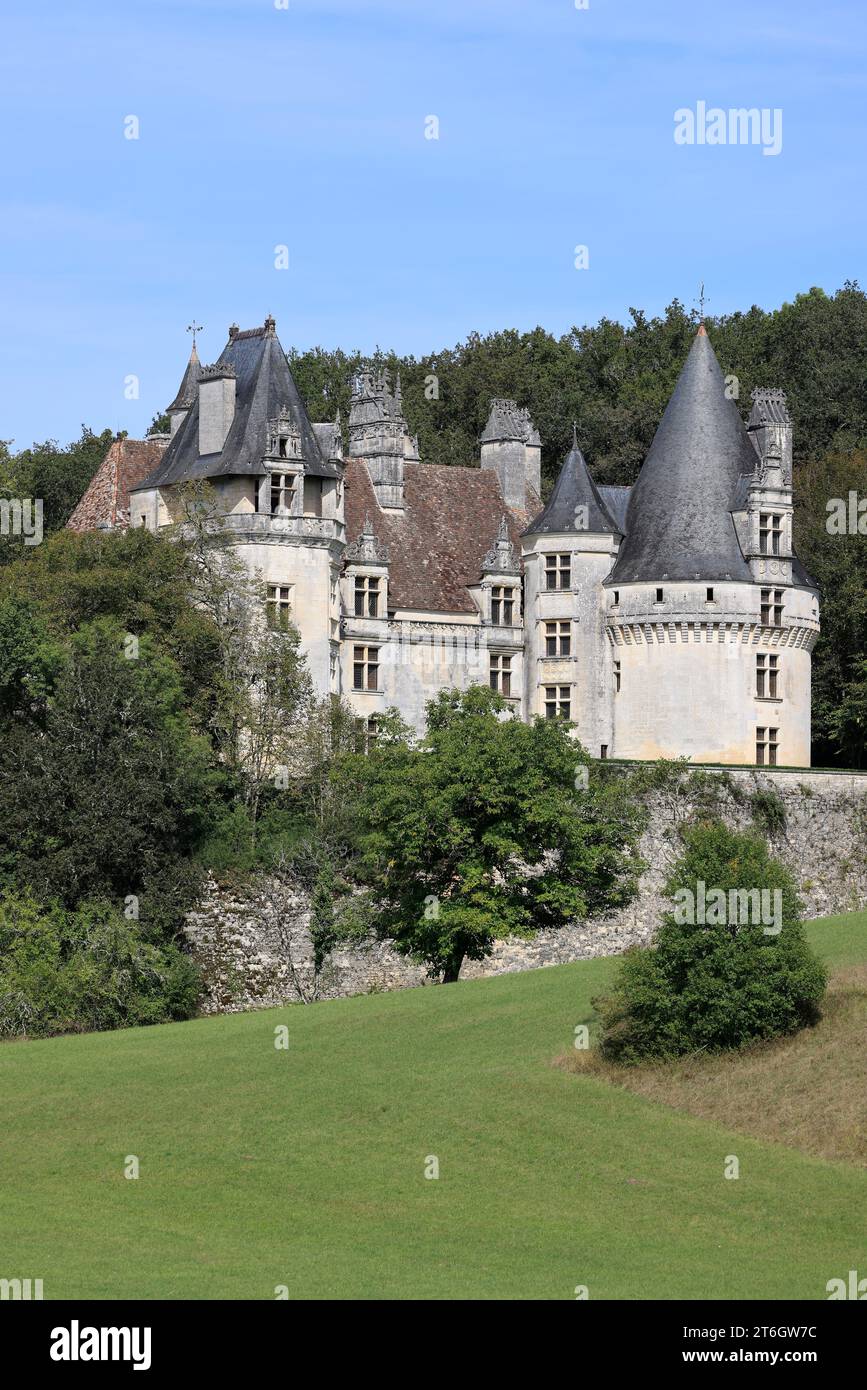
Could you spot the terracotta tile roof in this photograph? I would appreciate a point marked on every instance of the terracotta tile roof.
(106, 501)
(437, 547)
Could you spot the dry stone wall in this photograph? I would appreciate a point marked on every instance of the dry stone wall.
(253, 941)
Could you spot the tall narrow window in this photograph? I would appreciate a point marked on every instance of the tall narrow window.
(616, 677)
(558, 702)
(279, 605)
(767, 746)
(770, 533)
(366, 596)
(558, 571)
(772, 607)
(501, 673)
(558, 639)
(767, 675)
(660, 595)
(282, 493)
(502, 605)
(365, 668)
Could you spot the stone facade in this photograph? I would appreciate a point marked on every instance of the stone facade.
(254, 942)
(671, 619)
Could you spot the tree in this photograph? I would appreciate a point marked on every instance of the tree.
(111, 786)
(724, 971)
(485, 830)
(265, 688)
(60, 477)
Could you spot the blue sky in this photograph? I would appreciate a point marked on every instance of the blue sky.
(305, 127)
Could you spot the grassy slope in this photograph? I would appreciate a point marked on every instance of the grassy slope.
(305, 1167)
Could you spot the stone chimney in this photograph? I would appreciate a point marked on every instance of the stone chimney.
(512, 448)
(378, 435)
(770, 429)
(216, 406)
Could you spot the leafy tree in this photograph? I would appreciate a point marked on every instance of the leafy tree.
(480, 832)
(60, 476)
(708, 986)
(111, 784)
(66, 971)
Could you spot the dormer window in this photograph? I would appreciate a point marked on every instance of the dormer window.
(502, 605)
(770, 533)
(366, 596)
(772, 607)
(282, 446)
(282, 493)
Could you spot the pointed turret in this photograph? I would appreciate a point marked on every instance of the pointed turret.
(575, 503)
(187, 391)
(246, 411)
(679, 524)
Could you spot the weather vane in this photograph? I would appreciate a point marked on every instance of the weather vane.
(194, 328)
(701, 302)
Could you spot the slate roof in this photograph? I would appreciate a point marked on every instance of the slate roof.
(679, 523)
(616, 499)
(573, 489)
(189, 387)
(263, 386)
(451, 519)
(106, 501)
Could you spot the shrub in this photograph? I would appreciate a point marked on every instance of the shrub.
(712, 985)
(67, 971)
(768, 811)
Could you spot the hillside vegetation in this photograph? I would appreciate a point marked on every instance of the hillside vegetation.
(304, 1166)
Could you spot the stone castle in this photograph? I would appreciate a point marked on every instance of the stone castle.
(668, 619)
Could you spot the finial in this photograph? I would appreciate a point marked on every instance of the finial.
(270, 324)
(233, 332)
(574, 435)
(194, 328)
(702, 300)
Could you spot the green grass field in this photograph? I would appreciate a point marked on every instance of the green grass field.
(305, 1167)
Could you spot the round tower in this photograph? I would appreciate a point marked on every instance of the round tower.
(710, 617)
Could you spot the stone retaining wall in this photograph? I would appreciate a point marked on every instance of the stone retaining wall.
(254, 942)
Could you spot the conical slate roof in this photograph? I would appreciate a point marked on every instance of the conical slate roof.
(189, 387)
(574, 489)
(264, 386)
(679, 523)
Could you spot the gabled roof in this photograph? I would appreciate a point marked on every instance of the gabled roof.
(189, 387)
(264, 385)
(679, 524)
(574, 489)
(437, 546)
(106, 501)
